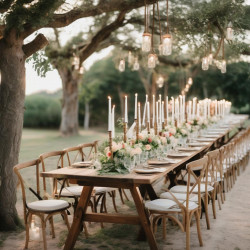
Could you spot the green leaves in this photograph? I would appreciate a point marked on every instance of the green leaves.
(41, 63)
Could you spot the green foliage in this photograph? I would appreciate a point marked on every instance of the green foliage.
(41, 63)
(32, 13)
(42, 111)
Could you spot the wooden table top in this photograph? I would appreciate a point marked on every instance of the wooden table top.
(86, 176)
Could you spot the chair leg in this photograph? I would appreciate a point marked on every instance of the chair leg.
(187, 231)
(213, 202)
(27, 231)
(164, 227)
(44, 234)
(218, 194)
(121, 196)
(123, 191)
(112, 195)
(206, 211)
(66, 219)
(52, 227)
(197, 217)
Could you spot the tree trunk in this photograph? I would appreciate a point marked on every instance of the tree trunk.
(86, 117)
(69, 120)
(12, 95)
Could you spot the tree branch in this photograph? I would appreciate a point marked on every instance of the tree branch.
(38, 43)
(62, 20)
(2, 27)
(101, 35)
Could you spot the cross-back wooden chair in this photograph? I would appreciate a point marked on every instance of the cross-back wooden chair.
(215, 178)
(186, 204)
(43, 208)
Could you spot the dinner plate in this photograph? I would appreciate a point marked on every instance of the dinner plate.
(205, 139)
(82, 164)
(178, 154)
(149, 170)
(197, 144)
(158, 162)
(188, 149)
(210, 136)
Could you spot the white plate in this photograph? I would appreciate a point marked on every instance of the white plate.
(210, 136)
(82, 164)
(158, 162)
(205, 139)
(189, 149)
(197, 144)
(178, 154)
(149, 170)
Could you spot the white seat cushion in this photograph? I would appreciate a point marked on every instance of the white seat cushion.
(99, 190)
(179, 196)
(165, 205)
(48, 205)
(71, 191)
(183, 189)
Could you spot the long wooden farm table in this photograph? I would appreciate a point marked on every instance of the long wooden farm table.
(136, 183)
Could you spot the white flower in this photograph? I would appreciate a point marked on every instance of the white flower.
(183, 131)
(163, 140)
(172, 131)
(148, 147)
(138, 151)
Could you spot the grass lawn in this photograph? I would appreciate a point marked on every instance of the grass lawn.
(38, 141)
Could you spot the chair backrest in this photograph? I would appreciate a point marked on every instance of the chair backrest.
(74, 154)
(33, 167)
(197, 170)
(88, 149)
(50, 161)
(215, 167)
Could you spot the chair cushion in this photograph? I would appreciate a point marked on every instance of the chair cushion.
(183, 189)
(71, 191)
(179, 196)
(48, 205)
(99, 190)
(165, 205)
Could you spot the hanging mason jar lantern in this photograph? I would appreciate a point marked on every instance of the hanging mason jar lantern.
(205, 64)
(136, 65)
(160, 81)
(190, 81)
(230, 31)
(210, 59)
(122, 65)
(76, 61)
(130, 58)
(152, 59)
(167, 45)
(223, 66)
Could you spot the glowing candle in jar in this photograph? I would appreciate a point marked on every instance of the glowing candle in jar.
(109, 115)
(136, 106)
(153, 120)
(113, 121)
(126, 109)
(144, 111)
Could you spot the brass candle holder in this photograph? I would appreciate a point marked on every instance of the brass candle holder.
(148, 127)
(156, 129)
(137, 129)
(110, 144)
(125, 131)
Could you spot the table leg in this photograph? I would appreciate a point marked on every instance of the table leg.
(77, 221)
(143, 217)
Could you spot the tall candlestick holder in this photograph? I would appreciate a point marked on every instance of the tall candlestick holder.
(163, 125)
(137, 129)
(110, 145)
(148, 127)
(156, 129)
(125, 131)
